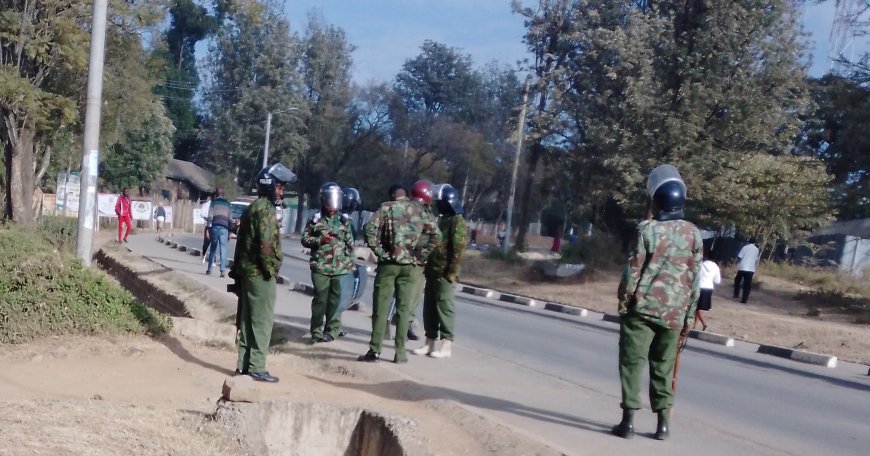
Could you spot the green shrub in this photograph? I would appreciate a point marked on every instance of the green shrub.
(597, 252)
(60, 231)
(45, 292)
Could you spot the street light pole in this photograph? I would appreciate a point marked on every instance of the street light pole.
(91, 143)
(510, 209)
(266, 146)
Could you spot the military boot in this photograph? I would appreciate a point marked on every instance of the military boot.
(625, 428)
(427, 348)
(663, 429)
(444, 351)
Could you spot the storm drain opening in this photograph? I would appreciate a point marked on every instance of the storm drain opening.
(279, 428)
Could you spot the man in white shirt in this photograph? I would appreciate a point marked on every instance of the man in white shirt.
(747, 260)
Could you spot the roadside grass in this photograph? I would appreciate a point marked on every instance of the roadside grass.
(45, 291)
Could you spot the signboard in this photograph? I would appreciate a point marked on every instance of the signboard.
(68, 187)
(197, 217)
(106, 204)
(142, 210)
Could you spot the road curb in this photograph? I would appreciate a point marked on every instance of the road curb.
(521, 300)
(486, 293)
(570, 310)
(713, 338)
(281, 280)
(798, 355)
(303, 288)
(611, 318)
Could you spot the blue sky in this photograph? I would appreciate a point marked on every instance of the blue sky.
(387, 32)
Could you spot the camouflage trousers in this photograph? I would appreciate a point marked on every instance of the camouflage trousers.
(438, 308)
(324, 306)
(641, 341)
(399, 279)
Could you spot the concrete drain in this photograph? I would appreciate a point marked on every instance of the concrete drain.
(296, 429)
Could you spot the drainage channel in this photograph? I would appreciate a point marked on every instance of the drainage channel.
(279, 428)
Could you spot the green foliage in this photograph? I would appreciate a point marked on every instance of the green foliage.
(60, 232)
(599, 252)
(141, 156)
(47, 293)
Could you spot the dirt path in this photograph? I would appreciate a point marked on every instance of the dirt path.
(772, 316)
(143, 396)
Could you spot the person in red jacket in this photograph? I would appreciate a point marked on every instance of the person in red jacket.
(124, 212)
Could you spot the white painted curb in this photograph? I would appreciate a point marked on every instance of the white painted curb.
(518, 300)
(477, 291)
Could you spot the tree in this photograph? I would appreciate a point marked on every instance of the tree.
(253, 66)
(43, 61)
(140, 157)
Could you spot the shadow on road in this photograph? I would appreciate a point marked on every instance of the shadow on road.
(175, 346)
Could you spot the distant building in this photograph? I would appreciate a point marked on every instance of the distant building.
(850, 242)
(184, 180)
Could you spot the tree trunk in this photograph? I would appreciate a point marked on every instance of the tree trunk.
(20, 167)
(300, 201)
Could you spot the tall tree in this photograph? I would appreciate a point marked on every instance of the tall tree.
(253, 68)
(325, 66)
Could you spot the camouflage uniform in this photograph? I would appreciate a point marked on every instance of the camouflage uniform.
(657, 296)
(442, 271)
(417, 286)
(402, 236)
(329, 263)
(257, 261)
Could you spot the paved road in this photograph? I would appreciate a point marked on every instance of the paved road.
(554, 377)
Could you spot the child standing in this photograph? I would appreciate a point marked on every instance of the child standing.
(707, 278)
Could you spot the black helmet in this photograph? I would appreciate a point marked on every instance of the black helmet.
(668, 200)
(330, 197)
(350, 201)
(270, 176)
(449, 202)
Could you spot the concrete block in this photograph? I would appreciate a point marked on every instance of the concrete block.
(797, 355)
(712, 338)
(173, 244)
(561, 308)
(612, 318)
(521, 300)
(195, 252)
(240, 388)
(182, 248)
(282, 280)
(304, 288)
(477, 291)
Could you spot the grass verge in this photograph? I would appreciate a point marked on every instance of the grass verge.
(45, 291)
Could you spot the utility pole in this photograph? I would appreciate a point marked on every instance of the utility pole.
(510, 209)
(266, 146)
(91, 143)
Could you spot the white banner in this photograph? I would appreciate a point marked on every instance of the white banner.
(197, 217)
(106, 204)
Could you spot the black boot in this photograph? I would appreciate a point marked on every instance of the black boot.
(625, 428)
(663, 430)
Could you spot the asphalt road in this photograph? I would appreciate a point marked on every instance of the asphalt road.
(758, 403)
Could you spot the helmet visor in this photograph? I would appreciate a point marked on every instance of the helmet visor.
(282, 174)
(660, 175)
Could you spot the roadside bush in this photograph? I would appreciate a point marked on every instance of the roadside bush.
(47, 292)
(511, 257)
(61, 232)
(824, 280)
(599, 252)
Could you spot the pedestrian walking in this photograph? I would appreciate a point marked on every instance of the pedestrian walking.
(124, 211)
(159, 216)
(206, 239)
(747, 261)
(220, 216)
(257, 262)
(501, 234)
(402, 236)
(657, 296)
(708, 277)
(442, 273)
(329, 236)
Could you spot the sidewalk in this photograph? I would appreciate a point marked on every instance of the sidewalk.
(570, 416)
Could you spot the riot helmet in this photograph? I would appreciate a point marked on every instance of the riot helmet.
(350, 201)
(269, 177)
(449, 201)
(667, 191)
(330, 198)
(422, 191)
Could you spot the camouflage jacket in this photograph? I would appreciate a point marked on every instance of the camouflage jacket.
(334, 257)
(659, 282)
(258, 247)
(446, 259)
(402, 232)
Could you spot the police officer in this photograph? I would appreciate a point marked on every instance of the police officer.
(657, 296)
(257, 261)
(402, 236)
(329, 236)
(442, 272)
(421, 194)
